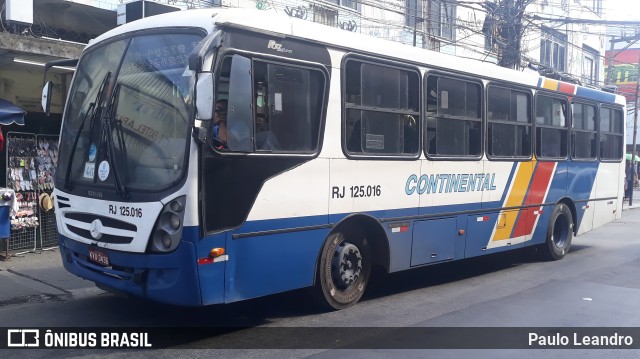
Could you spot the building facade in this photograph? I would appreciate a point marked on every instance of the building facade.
(571, 51)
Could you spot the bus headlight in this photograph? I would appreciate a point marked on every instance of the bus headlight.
(163, 238)
(167, 232)
(174, 221)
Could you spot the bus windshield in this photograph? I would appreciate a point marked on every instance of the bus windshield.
(127, 120)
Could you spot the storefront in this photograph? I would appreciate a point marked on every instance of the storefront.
(28, 143)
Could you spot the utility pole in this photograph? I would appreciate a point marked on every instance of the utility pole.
(510, 30)
(609, 78)
(415, 28)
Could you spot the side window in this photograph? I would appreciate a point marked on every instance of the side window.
(551, 127)
(611, 134)
(272, 107)
(509, 123)
(583, 131)
(382, 110)
(454, 120)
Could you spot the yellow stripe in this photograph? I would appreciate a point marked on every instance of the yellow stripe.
(550, 84)
(506, 220)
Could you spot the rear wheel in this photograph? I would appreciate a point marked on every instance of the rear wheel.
(559, 233)
(344, 270)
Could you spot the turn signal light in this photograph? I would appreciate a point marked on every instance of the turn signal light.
(216, 252)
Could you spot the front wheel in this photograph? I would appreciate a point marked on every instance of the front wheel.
(344, 270)
(559, 233)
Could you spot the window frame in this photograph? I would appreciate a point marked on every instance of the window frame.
(329, 15)
(412, 12)
(573, 130)
(341, 3)
(557, 45)
(621, 135)
(440, 21)
(567, 126)
(481, 119)
(270, 59)
(345, 106)
(516, 88)
(590, 54)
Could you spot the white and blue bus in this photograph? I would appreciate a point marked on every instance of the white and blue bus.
(343, 153)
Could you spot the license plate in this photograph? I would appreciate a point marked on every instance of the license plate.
(99, 257)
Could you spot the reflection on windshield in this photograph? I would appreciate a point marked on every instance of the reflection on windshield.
(139, 141)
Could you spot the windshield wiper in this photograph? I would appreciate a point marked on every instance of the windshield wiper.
(94, 111)
(109, 125)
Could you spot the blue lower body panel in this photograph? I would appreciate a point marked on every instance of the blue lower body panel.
(168, 278)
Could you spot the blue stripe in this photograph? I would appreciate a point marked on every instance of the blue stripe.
(595, 95)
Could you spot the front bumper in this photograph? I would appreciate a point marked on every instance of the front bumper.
(167, 278)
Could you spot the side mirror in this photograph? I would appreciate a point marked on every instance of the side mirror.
(204, 96)
(46, 97)
(239, 110)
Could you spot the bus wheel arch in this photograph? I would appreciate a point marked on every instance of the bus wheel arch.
(560, 231)
(351, 250)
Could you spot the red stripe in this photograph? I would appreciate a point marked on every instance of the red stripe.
(536, 193)
(567, 88)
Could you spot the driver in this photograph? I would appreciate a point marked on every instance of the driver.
(220, 124)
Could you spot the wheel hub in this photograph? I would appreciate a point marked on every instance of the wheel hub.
(560, 231)
(346, 265)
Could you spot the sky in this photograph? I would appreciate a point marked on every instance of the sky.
(626, 10)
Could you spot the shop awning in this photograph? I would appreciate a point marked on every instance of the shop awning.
(10, 113)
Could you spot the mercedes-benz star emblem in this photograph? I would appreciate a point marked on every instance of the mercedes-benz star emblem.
(96, 229)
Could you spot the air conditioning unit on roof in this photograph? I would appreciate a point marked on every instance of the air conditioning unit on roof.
(19, 11)
(139, 9)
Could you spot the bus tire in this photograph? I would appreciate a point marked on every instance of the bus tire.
(343, 271)
(559, 232)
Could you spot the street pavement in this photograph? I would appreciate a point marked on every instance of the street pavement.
(40, 276)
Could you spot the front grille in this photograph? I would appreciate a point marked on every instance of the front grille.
(106, 238)
(106, 221)
(80, 224)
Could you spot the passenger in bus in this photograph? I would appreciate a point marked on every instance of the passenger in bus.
(411, 137)
(220, 124)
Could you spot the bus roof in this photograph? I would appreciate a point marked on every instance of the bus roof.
(280, 25)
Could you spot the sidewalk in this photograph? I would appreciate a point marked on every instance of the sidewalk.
(40, 276)
(636, 200)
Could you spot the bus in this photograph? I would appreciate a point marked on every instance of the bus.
(343, 154)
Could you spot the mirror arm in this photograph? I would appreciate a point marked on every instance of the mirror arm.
(199, 134)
